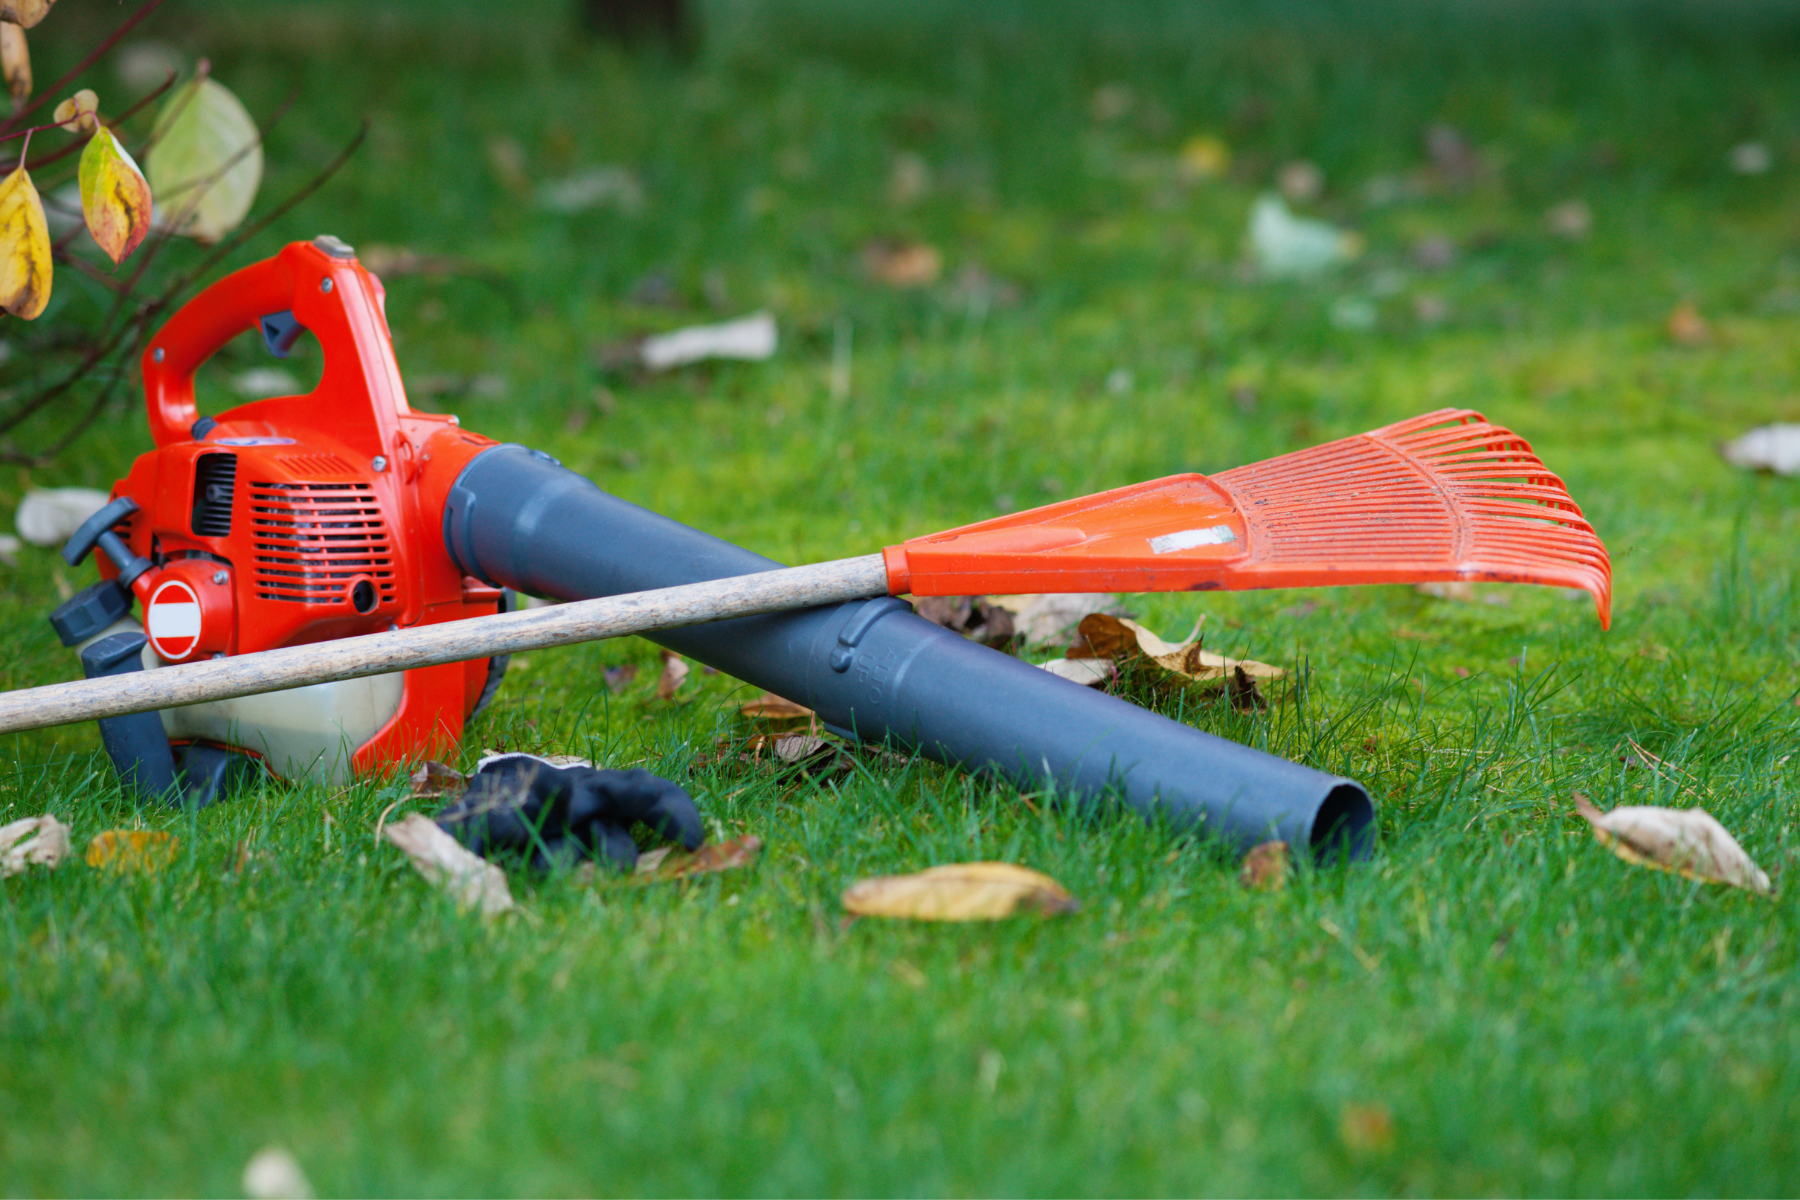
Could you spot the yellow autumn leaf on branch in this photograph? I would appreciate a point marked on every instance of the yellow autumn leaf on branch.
(24, 247)
(79, 113)
(115, 199)
(24, 13)
(205, 160)
(15, 63)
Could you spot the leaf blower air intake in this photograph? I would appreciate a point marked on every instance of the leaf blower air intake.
(301, 519)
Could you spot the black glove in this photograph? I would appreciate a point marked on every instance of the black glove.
(519, 804)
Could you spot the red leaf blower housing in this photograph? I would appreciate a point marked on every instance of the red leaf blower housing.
(300, 519)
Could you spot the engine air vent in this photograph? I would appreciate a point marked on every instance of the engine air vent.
(215, 483)
(314, 540)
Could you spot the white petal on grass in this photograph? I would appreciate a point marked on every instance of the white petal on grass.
(274, 1174)
(34, 841)
(750, 338)
(446, 862)
(48, 516)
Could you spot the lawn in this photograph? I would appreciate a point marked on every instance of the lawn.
(1493, 1004)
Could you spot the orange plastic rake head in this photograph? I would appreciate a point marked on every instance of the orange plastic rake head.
(1444, 496)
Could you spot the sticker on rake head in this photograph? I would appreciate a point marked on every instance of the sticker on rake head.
(172, 620)
(1187, 539)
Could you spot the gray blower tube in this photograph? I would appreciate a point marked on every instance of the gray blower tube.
(874, 669)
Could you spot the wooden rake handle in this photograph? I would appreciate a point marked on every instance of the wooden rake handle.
(452, 641)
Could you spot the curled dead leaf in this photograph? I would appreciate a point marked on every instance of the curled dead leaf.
(1051, 620)
(1684, 841)
(32, 841)
(770, 707)
(15, 64)
(1686, 327)
(974, 617)
(1266, 868)
(1088, 672)
(980, 891)
(666, 863)
(473, 881)
(25, 270)
(132, 850)
(1366, 1128)
(1106, 636)
(25, 13)
(79, 113)
(432, 778)
(674, 673)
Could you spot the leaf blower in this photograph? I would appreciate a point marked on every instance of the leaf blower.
(312, 525)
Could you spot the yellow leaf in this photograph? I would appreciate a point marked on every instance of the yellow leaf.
(205, 160)
(15, 62)
(132, 850)
(114, 197)
(982, 891)
(1204, 156)
(79, 113)
(24, 248)
(24, 13)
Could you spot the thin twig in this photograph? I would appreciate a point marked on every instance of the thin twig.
(72, 147)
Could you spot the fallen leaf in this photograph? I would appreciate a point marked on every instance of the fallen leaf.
(1750, 158)
(747, 339)
(1447, 589)
(770, 707)
(274, 1174)
(591, 188)
(793, 748)
(1571, 219)
(24, 13)
(115, 199)
(903, 264)
(132, 849)
(676, 863)
(1687, 327)
(472, 880)
(1685, 841)
(206, 160)
(433, 778)
(1106, 636)
(909, 180)
(79, 113)
(1290, 247)
(1769, 448)
(1088, 672)
(15, 64)
(974, 617)
(1052, 620)
(40, 841)
(674, 673)
(1266, 868)
(9, 549)
(1366, 1128)
(25, 271)
(619, 678)
(1111, 101)
(1241, 689)
(981, 891)
(1202, 156)
(1300, 182)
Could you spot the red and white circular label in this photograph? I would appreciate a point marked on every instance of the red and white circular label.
(173, 620)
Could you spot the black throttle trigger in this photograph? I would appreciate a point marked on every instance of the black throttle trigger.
(280, 331)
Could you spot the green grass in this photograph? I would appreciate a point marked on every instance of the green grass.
(1533, 1015)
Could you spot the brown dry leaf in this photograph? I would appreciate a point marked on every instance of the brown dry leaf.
(1105, 636)
(132, 849)
(981, 891)
(1685, 841)
(1687, 327)
(434, 778)
(660, 866)
(620, 678)
(674, 673)
(79, 113)
(33, 841)
(470, 879)
(1366, 1128)
(770, 707)
(793, 748)
(1266, 868)
(25, 271)
(24, 13)
(1052, 620)
(903, 264)
(15, 63)
(974, 617)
